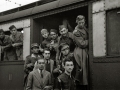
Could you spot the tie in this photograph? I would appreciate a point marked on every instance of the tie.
(41, 73)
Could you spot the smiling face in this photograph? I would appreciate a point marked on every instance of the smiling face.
(69, 66)
(63, 31)
(53, 35)
(45, 35)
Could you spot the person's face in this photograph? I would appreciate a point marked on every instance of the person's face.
(2, 35)
(53, 35)
(45, 35)
(65, 50)
(13, 31)
(69, 66)
(35, 50)
(63, 31)
(41, 64)
(81, 23)
(46, 54)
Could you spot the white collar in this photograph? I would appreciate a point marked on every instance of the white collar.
(39, 70)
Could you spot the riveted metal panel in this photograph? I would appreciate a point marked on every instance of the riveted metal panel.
(98, 6)
(99, 39)
(26, 42)
(111, 4)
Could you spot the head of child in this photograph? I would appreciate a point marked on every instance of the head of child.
(44, 33)
(63, 30)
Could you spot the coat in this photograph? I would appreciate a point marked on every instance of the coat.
(18, 39)
(29, 65)
(81, 52)
(9, 52)
(35, 82)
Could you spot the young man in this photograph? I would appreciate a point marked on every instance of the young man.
(17, 41)
(81, 50)
(7, 51)
(46, 39)
(53, 43)
(49, 63)
(66, 80)
(65, 38)
(39, 79)
(30, 60)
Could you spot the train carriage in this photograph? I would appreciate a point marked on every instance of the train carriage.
(102, 19)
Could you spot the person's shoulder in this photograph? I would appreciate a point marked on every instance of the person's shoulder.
(19, 34)
(29, 56)
(46, 72)
(51, 60)
(7, 37)
(61, 76)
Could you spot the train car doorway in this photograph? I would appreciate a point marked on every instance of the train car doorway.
(53, 21)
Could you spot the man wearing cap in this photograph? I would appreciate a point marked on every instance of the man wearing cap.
(7, 51)
(31, 59)
(17, 41)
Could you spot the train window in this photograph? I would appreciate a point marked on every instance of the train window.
(11, 50)
(113, 32)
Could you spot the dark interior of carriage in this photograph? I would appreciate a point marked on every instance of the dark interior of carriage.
(53, 21)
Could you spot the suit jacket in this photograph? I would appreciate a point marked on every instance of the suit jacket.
(51, 65)
(35, 82)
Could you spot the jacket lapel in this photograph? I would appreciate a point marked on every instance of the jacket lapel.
(37, 75)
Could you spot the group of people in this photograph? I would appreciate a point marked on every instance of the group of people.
(59, 62)
(11, 47)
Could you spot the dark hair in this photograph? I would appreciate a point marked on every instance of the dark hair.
(39, 58)
(62, 45)
(67, 60)
(11, 27)
(1, 30)
(61, 27)
(46, 49)
(54, 30)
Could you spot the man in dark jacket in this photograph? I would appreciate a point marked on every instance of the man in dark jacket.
(66, 80)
